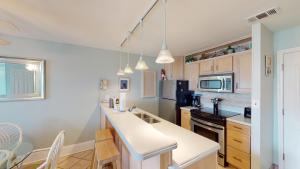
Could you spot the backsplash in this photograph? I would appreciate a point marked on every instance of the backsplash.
(232, 101)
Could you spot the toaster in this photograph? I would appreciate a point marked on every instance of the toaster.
(247, 112)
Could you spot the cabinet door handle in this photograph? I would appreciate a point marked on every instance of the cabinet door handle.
(238, 159)
(237, 140)
(236, 127)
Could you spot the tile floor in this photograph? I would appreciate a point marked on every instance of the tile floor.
(80, 160)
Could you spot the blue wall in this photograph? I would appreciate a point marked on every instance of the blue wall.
(2, 79)
(284, 39)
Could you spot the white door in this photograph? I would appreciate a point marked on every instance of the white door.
(291, 105)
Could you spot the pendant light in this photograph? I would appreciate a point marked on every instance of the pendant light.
(120, 71)
(128, 69)
(164, 55)
(141, 64)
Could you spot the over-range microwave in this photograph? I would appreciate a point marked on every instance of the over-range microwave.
(221, 83)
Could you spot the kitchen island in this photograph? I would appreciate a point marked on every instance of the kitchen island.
(157, 144)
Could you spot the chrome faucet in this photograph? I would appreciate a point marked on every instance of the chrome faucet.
(131, 108)
(216, 102)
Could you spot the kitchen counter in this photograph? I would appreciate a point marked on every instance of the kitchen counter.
(240, 119)
(146, 140)
(142, 140)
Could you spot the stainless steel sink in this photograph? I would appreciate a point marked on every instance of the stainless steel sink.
(147, 118)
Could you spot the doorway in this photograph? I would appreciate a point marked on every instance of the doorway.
(289, 108)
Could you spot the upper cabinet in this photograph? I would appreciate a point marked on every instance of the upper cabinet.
(174, 71)
(191, 73)
(223, 64)
(242, 66)
(206, 67)
(218, 65)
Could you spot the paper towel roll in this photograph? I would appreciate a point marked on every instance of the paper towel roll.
(122, 102)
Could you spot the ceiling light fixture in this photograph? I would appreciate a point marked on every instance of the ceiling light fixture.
(120, 71)
(128, 69)
(164, 55)
(141, 64)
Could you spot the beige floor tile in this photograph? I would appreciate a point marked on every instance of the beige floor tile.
(89, 156)
(81, 164)
(68, 163)
(81, 155)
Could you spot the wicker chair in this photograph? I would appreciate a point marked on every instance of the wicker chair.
(10, 138)
(53, 155)
(4, 155)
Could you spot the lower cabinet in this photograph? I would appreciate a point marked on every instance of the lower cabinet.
(238, 145)
(186, 119)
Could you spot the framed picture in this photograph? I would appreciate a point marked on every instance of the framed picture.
(268, 66)
(124, 84)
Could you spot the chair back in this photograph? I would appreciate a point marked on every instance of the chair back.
(54, 152)
(4, 155)
(10, 137)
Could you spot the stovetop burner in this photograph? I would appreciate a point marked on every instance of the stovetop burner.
(207, 114)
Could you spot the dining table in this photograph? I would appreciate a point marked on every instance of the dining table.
(23, 151)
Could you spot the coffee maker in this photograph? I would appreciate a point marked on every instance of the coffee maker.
(196, 100)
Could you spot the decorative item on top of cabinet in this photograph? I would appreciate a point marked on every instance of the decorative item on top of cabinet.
(174, 71)
(242, 67)
(186, 119)
(191, 73)
(238, 145)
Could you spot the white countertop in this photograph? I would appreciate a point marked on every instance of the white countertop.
(142, 140)
(240, 119)
(145, 140)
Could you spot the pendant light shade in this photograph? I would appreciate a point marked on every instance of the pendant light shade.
(164, 55)
(141, 64)
(128, 69)
(120, 71)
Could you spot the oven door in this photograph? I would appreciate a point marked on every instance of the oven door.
(214, 132)
(211, 131)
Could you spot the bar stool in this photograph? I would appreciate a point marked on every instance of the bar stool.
(103, 134)
(106, 152)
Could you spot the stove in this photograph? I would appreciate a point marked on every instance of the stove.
(212, 126)
(207, 114)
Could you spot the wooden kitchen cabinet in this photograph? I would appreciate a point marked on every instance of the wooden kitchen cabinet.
(223, 64)
(206, 67)
(186, 119)
(191, 73)
(174, 71)
(242, 67)
(238, 145)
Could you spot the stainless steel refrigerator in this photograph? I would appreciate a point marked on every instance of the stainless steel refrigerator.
(173, 95)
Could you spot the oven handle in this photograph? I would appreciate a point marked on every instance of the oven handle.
(223, 84)
(211, 128)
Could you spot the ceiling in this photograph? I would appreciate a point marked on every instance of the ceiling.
(192, 24)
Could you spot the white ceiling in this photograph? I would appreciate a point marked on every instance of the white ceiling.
(192, 24)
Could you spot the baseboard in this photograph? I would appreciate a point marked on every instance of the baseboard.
(41, 154)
